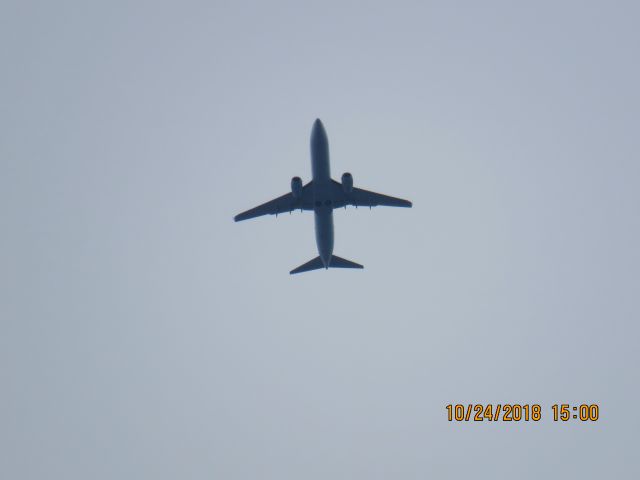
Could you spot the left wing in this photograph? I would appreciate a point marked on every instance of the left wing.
(283, 204)
(359, 197)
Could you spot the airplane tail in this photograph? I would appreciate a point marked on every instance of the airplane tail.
(338, 262)
(316, 264)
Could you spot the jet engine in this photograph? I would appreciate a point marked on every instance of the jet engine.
(296, 187)
(347, 182)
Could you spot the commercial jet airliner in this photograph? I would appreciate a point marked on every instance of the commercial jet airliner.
(322, 194)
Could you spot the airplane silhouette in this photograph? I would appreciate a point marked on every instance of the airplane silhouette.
(322, 195)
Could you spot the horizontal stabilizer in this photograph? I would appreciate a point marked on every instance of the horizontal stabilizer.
(337, 262)
(316, 264)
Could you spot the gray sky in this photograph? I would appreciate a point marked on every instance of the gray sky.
(144, 334)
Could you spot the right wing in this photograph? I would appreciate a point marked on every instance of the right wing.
(359, 197)
(373, 199)
(282, 204)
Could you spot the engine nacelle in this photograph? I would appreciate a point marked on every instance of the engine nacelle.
(296, 187)
(347, 182)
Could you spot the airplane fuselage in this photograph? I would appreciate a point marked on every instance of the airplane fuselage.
(323, 210)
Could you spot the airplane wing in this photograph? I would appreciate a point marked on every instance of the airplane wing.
(283, 204)
(359, 197)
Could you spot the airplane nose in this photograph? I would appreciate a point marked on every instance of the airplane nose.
(318, 132)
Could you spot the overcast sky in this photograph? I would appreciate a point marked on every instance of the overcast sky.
(145, 335)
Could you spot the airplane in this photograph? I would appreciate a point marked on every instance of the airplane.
(322, 195)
